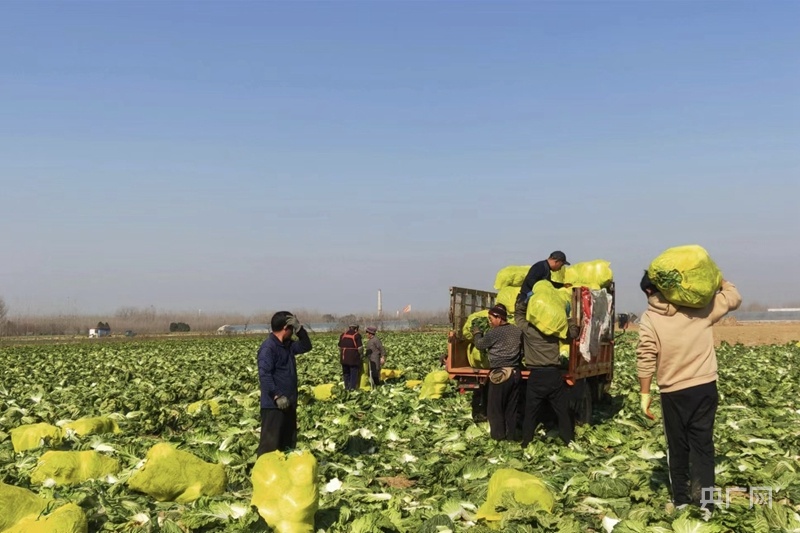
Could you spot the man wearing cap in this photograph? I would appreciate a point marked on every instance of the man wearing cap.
(376, 354)
(503, 344)
(351, 348)
(542, 270)
(277, 376)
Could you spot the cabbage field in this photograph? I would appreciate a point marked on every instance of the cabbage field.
(388, 461)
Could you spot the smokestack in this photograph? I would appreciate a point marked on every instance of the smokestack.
(380, 304)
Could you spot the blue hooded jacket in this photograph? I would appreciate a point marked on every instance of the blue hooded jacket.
(277, 368)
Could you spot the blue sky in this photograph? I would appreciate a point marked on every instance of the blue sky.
(249, 156)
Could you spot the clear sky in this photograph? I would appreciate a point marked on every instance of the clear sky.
(246, 156)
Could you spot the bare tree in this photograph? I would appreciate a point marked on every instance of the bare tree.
(3, 314)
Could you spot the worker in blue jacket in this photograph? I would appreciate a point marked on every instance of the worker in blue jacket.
(277, 375)
(541, 270)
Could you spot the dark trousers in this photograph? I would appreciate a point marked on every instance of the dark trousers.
(350, 375)
(546, 386)
(375, 372)
(278, 430)
(503, 407)
(689, 427)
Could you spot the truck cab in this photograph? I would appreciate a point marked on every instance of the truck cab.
(589, 368)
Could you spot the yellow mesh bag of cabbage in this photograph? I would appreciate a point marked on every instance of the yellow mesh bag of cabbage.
(476, 357)
(548, 309)
(363, 375)
(68, 518)
(71, 468)
(526, 489)
(32, 436)
(323, 392)
(174, 475)
(96, 425)
(511, 276)
(686, 276)
(466, 331)
(23, 511)
(434, 385)
(194, 408)
(285, 490)
(595, 274)
(391, 373)
(16, 503)
(508, 297)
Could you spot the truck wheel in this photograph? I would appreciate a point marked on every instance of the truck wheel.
(597, 386)
(583, 406)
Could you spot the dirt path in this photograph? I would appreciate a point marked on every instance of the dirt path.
(755, 333)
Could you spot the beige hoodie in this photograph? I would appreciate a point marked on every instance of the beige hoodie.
(677, 343)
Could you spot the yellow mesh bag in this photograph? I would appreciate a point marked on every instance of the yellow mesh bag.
(511, 276)
(17, 503)
(96, 425)
(526, 489)
(434, 385)
(285, 490)
(548, 309)
(68, 518)
(194, 408)
(174, 475)
(32, 436)
(686, 276)
(72, 468)
(595, 274)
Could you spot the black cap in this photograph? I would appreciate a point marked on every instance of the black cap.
(558, 255)
(499, 310)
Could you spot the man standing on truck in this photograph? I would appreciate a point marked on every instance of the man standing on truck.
(677, 345)
(503, 344)
(350, 350)
(545, 382)
(277, 376)
(540, 271)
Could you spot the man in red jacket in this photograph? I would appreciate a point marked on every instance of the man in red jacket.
(350, 350)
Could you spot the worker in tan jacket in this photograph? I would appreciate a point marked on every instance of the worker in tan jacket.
(677, 345)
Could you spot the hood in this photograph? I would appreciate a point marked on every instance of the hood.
(658, 304)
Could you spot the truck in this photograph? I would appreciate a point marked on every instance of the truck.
(588, 381)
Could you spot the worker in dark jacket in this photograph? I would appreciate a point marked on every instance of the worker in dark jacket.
(376, 354)
(350, 350)
(277, 375)
(503, 344)
(545, 383)
(542, 270)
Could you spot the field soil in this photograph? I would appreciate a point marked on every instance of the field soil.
(754, 333)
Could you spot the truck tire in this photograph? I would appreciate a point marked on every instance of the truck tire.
(597, 385)
(582, 404)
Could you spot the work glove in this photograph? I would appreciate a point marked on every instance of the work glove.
(645, 403)
(476, 332)
(574, 331)
(292, 321)
(282, 402)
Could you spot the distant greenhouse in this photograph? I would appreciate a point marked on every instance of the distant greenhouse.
(770, 315)
(320, 327)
